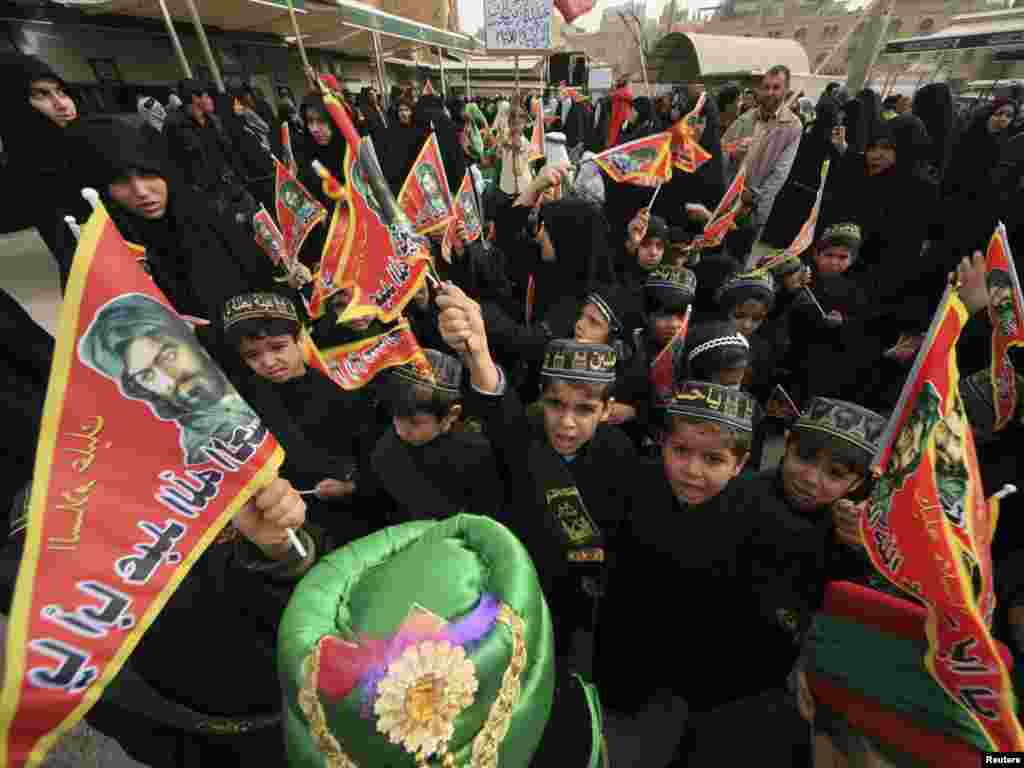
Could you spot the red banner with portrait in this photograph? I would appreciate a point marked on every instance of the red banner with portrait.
(668, 361)
(1006, 310)
(467, 213)
(297, 210)
(425, 197)
(146, 452)
(928, 531)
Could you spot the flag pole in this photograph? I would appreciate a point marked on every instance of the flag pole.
(890, 428)
(298, 36)
(657, 189)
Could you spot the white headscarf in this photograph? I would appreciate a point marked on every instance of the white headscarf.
(500, 126)
(152, 112)
(589, 182)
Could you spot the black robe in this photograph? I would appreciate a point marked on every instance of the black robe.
(529, 469)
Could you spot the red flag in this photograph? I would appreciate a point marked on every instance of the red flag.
(336, 264)
(270, 239)
(130, 487)
(664, 366)
(356, 364)
(467, 213)
(928, 531)
(286, 147)
(389, 260)
(646, 162)
(687, 153)
(536, 150)
(1006, 310)
(566, 92)
(297, 210)
(621, 102)
(428, 89)
(425, 197)
(573, 9)
(723, 220)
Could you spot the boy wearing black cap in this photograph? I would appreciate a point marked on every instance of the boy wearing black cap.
(563, 478)
(433, 469)
(646, 242)
(682, 535)
(325, 430)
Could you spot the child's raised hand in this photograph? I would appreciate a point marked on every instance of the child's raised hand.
(460, 321)
(971, 276)
(638, 227)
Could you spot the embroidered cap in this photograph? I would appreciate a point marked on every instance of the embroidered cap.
(657, 229)
(619, 305)
(579, 361)
(846, 234)
(714, 402)
(410, 648)
(670, 288)
(845, 421)
(737, 288)
(258, 306)
(435, 369)
(732, 340)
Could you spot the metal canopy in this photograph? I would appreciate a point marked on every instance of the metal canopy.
(342, 26)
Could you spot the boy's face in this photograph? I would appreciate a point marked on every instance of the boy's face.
(275, 358)
(833, 260)
(592, 326)
(699, 461)
(572, 414)
(650, 253)
(422, 428)
(748, 316)
(815, 481)
(665, 325)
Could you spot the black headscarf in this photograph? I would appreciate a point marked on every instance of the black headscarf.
(38, 157)
(429, 113)
(197, 260)
(332, 157)
(934, 105)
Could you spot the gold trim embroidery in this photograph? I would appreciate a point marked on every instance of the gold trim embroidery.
(309, 703)
(488, 741)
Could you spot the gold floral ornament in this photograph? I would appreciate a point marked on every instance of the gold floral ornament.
(424, 691)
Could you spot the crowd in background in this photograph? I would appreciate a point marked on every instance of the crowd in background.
(729, 554)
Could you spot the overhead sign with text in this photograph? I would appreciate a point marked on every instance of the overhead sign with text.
(518, 25)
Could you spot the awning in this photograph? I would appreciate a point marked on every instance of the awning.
(342, 26)
(969, 31)
(680, 57)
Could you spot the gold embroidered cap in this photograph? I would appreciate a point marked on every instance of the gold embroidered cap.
(435, 370)
(579, 361)
(427, 643)
(258, 306)
(845, 421)
(714, 402)
(847, 234)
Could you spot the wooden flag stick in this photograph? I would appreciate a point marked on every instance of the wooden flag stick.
(298, 37)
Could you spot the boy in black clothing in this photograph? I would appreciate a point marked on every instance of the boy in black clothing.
(562, 478)
(430, 465)
(322, 428)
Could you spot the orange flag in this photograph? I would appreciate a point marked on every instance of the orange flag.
(687, 153)
(466, 213)
(668, 361)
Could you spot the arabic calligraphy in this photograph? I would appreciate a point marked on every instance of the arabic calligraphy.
(87, 455)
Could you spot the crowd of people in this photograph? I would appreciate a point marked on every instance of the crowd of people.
(682, 571)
